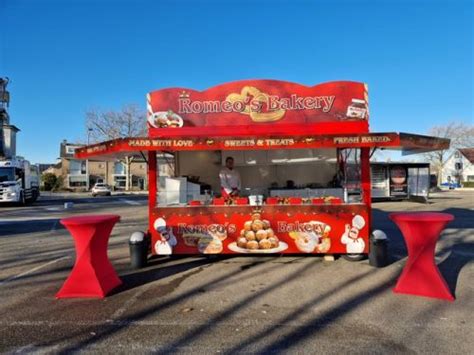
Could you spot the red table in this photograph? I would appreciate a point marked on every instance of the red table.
(421, 276)
(93, 274)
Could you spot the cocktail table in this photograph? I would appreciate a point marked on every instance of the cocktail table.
(421, 276)
(92, 274)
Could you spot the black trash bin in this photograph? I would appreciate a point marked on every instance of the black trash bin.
(378, 254)
(138, 245)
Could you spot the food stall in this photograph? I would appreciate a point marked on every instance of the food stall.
(302, 152)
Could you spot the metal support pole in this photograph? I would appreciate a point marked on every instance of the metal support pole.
(365, 181)
(152, 180)
(89, 130)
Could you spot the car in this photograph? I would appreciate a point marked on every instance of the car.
(101, 189)
(451, 185)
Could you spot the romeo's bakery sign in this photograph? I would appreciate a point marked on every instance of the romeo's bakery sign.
(260, 106)
(258, 102)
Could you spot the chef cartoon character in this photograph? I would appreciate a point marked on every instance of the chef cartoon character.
(164, 246)
(354, 244)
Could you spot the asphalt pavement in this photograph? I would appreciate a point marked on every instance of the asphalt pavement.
(275, 304)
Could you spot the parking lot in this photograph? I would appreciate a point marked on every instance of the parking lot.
(290, 304)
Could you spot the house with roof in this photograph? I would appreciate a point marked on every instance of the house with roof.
(459, 167)
(80, 174)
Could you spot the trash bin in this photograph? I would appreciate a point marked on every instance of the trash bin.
(378, 254)
(138, 245)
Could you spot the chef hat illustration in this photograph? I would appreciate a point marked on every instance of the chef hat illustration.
(160, 225)
(358, 222)
(166, 232)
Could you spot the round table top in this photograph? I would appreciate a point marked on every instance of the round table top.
(421, 216)
(89, 219)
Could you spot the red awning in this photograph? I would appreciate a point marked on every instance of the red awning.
(136, 146)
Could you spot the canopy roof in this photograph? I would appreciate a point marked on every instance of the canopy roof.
(118, 148)
(260, 114)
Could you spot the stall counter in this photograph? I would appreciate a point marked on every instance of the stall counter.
(287, 229)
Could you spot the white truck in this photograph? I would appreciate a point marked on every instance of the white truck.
(19, 181)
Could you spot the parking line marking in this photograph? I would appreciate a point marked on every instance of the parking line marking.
(118, 313)
(32, 270)
(53, 208)
(130, 202)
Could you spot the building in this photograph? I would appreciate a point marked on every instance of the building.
(7, 131)
(459, 167)
(80, 174)
(46, 168)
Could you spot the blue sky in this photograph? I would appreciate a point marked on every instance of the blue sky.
(64, 57)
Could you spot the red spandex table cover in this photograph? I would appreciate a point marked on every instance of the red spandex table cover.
(421, 276)
(93, 274)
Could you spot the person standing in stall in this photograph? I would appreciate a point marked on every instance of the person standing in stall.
(230, 179)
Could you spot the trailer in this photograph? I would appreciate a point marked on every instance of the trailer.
(400, 180)
(303, 154)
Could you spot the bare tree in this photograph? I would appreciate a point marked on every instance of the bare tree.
(461, 136)
(130, 121)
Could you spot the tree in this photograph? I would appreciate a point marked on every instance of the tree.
(59, 183)
(461, 136)
(130, 121)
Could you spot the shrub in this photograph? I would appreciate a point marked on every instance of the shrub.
(49, 180)
(58, 184)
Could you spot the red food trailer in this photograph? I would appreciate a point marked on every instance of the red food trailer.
(316, 137)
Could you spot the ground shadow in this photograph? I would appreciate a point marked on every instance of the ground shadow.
(114, 328)
(434, 198)
(151, 273)
(461, 254)
(121, 323)
(59, 200)
(463, 217)
(13, 228)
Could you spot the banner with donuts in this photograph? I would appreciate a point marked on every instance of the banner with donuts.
(330, 229)
(258, 102)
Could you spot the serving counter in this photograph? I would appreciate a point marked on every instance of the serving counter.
(307, 228)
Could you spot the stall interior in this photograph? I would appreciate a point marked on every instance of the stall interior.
(293, 176)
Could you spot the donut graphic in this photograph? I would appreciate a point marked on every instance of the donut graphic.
(398, 175)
